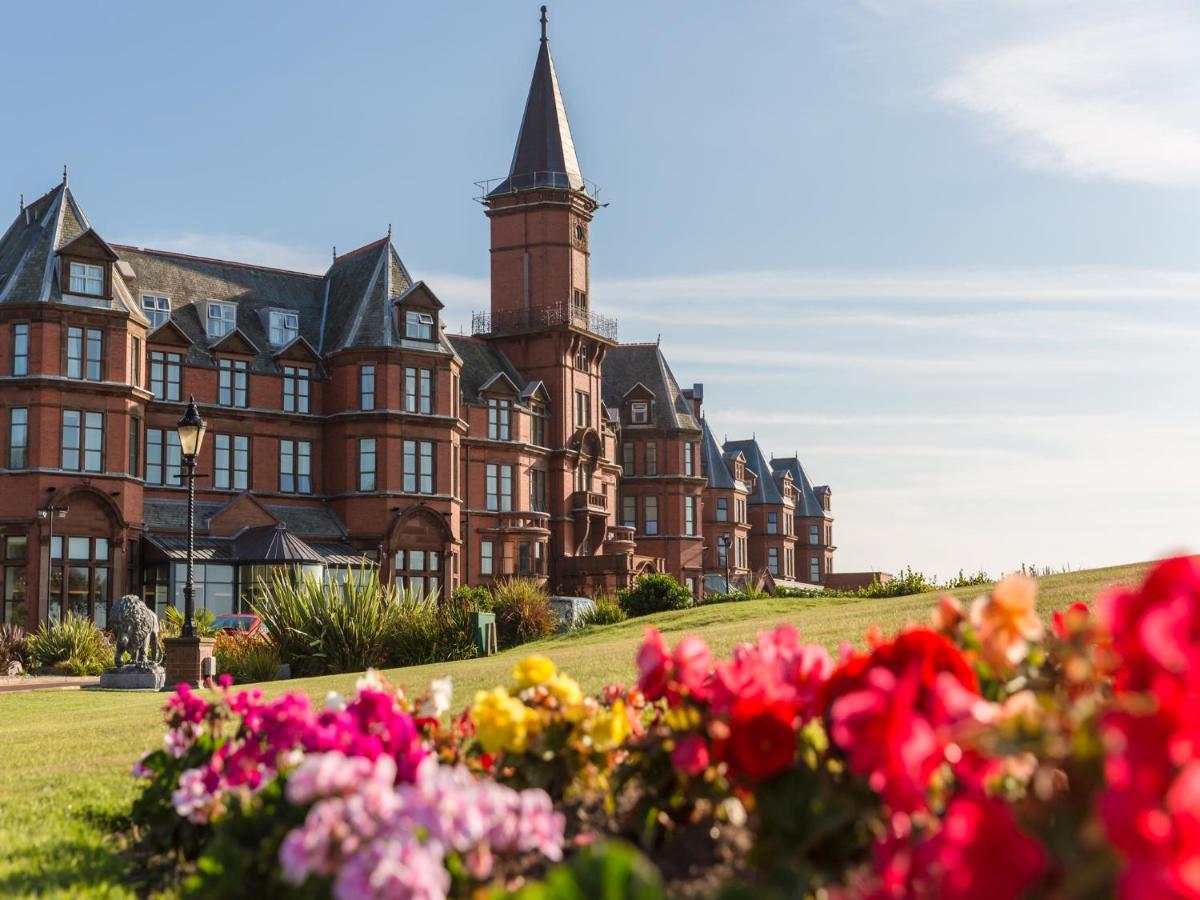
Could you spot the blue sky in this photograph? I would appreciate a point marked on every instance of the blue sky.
(947, 250)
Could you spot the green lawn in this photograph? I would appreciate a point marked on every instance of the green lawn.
(65, 756)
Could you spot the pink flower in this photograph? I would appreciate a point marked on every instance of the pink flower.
(692, 663)
(690, 755)
(391, 868)
(981, 854)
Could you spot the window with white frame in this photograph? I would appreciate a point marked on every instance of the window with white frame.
(20, 348)
(165, 375)
(296, 381)
(87, 279)
(486, 561)
(284, 327)
(689, 515)
(419, 571)
(295, 467)
(650, 514)
(164, 459)
(814, 569)
(639, 412)
(157, 308)
(366, 464)
(222, 318)
(418, 467)
(366, 387)
(499, 487)
(232, 383)
(418, 326)
(499, 419)
(418, 390)
(85, 350)
(773, 560)
(583, 409)
(18, 437)
(231, 462)
(689, 459)
(82, 440)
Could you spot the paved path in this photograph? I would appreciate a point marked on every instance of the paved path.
(10, 685)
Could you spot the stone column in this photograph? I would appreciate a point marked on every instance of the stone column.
(185, 660)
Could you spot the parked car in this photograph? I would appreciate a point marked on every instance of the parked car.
(246, 623)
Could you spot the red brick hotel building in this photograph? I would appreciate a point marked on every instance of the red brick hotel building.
(345, 426)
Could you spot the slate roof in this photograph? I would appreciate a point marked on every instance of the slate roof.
(545, 152)
(629, 364)
(210, 549)
(317, 521)
(765, 488)
(810, 504)
(481, 362)
(349, 306)
(713, 463)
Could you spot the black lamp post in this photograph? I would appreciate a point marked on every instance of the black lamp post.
(48, 516)
(191, 437)
(726, 540)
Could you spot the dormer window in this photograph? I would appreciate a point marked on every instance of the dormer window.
(285, 327)
(639, 412)
(418, 325)
(157, 309)
(87, 279)
(222, 318)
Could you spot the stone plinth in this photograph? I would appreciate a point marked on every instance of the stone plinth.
(185, 658)
(134, 678)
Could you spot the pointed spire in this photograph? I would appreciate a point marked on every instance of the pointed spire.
(22, 202)
(545, 153)
(389, 231)
(64, 174)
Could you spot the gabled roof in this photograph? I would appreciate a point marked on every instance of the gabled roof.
(273, 544)
(234, 342)
(627, 365)
(809, 504)
(298, 349)
(545, 153)
(482, 364)
(713, 464)
(765, 488)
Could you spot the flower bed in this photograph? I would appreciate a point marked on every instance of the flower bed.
(983, 756)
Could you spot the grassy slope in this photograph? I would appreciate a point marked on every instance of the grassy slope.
(65, 756)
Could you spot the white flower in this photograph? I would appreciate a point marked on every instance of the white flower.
(334, 702)
(441, 693)
(369, 682)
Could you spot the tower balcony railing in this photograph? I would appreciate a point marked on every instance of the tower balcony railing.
(569, 313)
(532, 181)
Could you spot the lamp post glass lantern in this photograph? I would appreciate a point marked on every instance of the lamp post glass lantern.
(191, 437)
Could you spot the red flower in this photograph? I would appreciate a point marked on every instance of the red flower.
(762, 739)
(654, 665)
(981, 854)
(692, 663)
(690, 755)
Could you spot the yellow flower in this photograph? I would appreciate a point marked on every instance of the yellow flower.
(565, 689)
(682, 718)
(532, 671)
(501, 721)
(1007, 620)
(610, 727)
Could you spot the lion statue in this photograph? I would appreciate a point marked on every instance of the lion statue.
(136, 629)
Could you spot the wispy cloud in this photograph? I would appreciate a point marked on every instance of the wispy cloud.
(1109, 92)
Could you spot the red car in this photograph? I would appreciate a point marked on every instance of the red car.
(245, 623)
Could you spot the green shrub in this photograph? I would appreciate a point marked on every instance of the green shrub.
(429, 631)
(655, 593)
(735, 597)
(14, 647)
(607, 611)
(523, 612)
(965, 580)
(479, 598)
(74, 646)
(172, 623)
(247, 657)
(325, 629)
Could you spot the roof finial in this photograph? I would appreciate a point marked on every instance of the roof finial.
(22, 201)
(64, 174)
(335, 252)
(389, 231)
(544, 20)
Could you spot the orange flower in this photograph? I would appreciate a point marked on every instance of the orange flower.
(947, 614)
(1007, 620)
